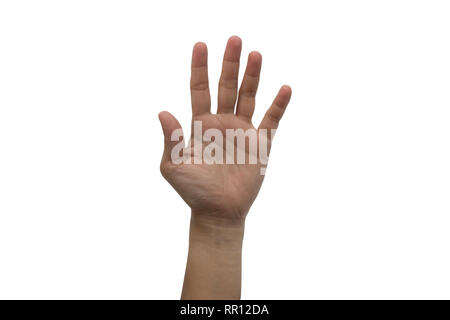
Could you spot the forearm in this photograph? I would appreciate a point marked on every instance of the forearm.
(213, 268)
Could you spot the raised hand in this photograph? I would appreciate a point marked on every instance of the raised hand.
(220, 189)
(217, 174)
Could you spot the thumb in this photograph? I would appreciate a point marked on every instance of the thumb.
(173, 135)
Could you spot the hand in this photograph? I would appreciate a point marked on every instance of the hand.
(224, 191)
(219, 194)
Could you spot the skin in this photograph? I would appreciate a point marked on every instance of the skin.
(219, 195)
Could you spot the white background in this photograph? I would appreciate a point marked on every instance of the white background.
(356, 198)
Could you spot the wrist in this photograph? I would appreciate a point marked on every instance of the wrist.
(213, 269)
(216, 232)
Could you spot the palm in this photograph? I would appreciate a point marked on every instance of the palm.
(220, 188)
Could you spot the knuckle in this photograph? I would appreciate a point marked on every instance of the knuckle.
(201, 85)
(228, 83)
(272, 117)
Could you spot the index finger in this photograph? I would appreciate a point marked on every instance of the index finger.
(200, 97)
